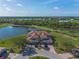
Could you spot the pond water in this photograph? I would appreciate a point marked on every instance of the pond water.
(8, 32)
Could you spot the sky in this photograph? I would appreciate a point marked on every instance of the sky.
(39, 7)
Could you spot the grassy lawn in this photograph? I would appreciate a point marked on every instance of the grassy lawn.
(4, 25)
(42, 27)
(63, 43)
(38, 57)
(11, 43)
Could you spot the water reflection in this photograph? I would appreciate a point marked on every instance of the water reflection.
(10, 27)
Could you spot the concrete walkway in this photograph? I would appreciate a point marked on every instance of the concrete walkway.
(66, 55)
(13, 55)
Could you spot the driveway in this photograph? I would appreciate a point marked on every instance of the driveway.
(42, 53)
(66, 55)
(51, 54)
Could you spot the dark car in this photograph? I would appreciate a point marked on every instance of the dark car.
(28, 51)
(75, 52)
(3, 53)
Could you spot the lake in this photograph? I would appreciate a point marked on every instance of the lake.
(8, 32)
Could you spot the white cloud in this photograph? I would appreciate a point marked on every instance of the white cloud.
(55, 8)
(8, 9)
(8, 0)
(4, 5)
(19, 4)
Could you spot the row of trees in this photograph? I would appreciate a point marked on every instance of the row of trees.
(54, 23)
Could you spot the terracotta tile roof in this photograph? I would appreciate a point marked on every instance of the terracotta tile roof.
(37, 34)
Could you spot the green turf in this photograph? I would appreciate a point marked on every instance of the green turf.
(4, 25)
(11, 43)
(63, 43)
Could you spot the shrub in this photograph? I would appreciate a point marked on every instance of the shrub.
(38, 57)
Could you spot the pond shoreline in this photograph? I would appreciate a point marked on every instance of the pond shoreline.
(15, 30)
(5, 25)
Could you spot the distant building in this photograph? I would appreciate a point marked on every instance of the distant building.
(36, 36)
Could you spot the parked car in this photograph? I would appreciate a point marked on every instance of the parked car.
(46, 47)
(75, 52)
(28, 51)
(3, 54)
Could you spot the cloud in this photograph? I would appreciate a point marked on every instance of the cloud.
(4, 5)
(8, 9)
(8, 0)
(56, 8)
(0, 7)
(19, 4)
